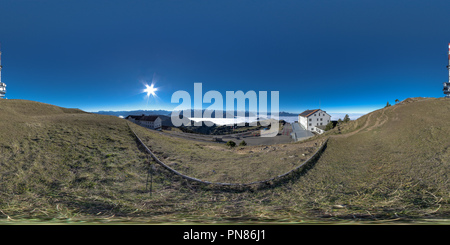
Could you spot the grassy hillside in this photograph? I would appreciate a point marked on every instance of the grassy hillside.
(65, 163)
(218, 163)
(394, 162)
(58, 163)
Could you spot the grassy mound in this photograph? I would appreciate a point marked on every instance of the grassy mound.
(58, 163)
(55, 162)
(219, 163)
(392, 162)
(66, 163)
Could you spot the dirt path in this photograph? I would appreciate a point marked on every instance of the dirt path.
(382, 119)
(356, 131)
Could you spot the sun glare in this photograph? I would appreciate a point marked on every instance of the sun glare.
(150, 90)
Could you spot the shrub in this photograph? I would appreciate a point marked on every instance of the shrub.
(243, 143)
(231, 143)
(329, 126)
(346, 118)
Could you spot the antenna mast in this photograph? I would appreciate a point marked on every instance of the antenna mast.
(2, 85)
(447, 84)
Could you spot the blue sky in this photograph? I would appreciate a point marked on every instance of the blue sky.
(346, 56)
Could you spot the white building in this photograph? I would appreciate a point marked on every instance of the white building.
(314, 120)
(151, 122)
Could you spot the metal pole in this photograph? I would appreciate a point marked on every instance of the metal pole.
(146, 183)
(151, 179)
(447, 84)
(149, 174)
(448, 66)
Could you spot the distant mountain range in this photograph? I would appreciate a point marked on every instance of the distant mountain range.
(165, 115)
(136, 112)
(168, 113)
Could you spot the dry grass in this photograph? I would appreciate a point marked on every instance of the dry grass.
(397, 164)
(61, 161)
(64, 163)
(218, 163)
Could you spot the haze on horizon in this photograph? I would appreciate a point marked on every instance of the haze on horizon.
(344, 57)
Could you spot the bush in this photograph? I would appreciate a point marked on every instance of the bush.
(231, 143)
(243, 143)
(329, 126)
(346, 118)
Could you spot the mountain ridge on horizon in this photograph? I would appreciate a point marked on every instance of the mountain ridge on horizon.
(167, 112)
(335, 116)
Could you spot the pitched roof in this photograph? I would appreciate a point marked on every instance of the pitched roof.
(148, 118)
(142, 117)
(136, 117)
(307, 113)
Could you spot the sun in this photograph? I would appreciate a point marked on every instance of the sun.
(150, 90)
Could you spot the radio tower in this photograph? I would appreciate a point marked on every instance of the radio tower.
(2, 85)
(447, 84)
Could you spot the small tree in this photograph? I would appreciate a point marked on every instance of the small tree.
(387, 104)
(346, 118)
(396, 101)
(329, 126)
(339, 125)
(243, 143)
(231, 143)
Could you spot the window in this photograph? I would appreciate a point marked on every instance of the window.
(310, 124)
(321, 119)
(310, 119)
(314, 114)
(320, 123)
